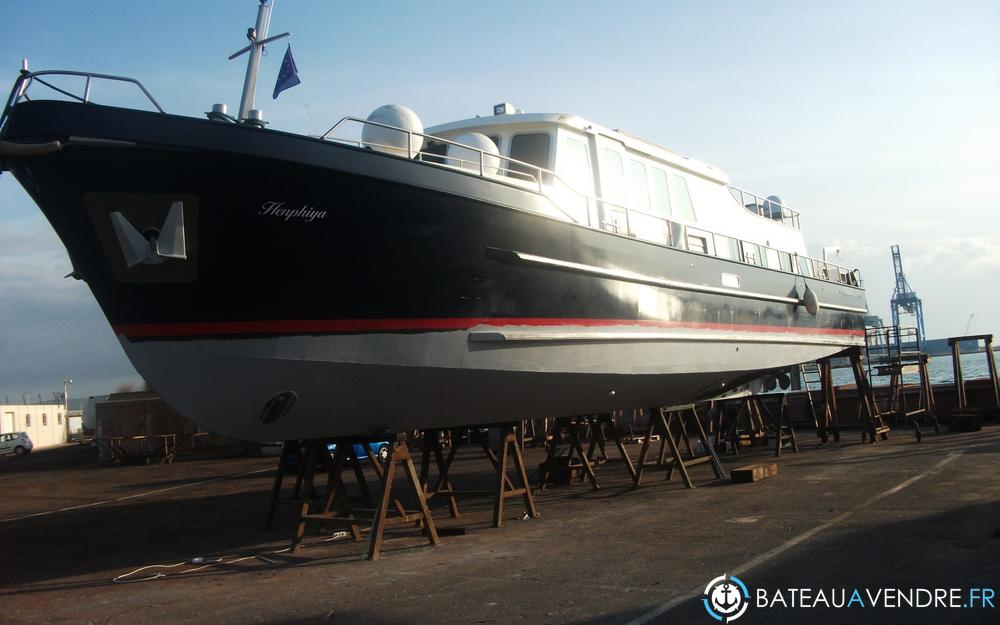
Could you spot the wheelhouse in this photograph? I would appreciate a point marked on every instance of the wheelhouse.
(610, 180)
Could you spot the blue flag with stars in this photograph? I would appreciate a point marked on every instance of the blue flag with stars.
(288, 77)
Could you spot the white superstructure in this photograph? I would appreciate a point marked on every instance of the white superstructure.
(611, 180)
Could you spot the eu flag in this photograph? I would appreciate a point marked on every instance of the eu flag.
(288, 77)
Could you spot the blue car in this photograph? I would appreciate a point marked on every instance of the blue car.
(379, 448)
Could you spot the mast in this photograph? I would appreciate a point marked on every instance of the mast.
(258, 39)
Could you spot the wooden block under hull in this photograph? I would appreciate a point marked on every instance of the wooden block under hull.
(753, 472)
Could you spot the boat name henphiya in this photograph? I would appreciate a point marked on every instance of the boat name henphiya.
(276, 209)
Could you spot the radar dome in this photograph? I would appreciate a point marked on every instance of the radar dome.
(774, 206)
(390, 140)
(469, 158)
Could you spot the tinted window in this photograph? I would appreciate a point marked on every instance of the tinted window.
(697, 243)
(638, 191)
(531, 148)
(573, 164)
(683, 209)
(573, 167)
(805, 266)
(786, 261)
(722, 246)
(752, 254)
(735, 249)
(772, 258)
(612, 177)
(660, 194)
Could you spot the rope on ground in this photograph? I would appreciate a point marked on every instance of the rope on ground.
(126, 578)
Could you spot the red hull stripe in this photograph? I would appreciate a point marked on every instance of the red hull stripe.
(331, 326)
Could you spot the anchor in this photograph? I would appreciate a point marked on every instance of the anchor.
(721, 595)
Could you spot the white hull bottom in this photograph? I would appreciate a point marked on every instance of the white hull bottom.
(367, 384)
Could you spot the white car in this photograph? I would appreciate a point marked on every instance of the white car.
(15, 443)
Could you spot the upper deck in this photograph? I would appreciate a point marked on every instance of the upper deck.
(590, 175)
(614, 181)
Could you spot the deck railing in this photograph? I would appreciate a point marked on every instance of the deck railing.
(614, 217)
(766, 207)
(27, 79)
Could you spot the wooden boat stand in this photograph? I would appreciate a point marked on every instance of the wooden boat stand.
(582, 463)
(664, 419)
(873, 425)
(991, 366)
(336, 507)
(600, 425)
(781, 427)
(510, 451)
(762, 423)
(728, 430)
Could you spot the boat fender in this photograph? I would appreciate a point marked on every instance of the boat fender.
(22, 150)
(810, 301)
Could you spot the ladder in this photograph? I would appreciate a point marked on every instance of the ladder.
(812, 381)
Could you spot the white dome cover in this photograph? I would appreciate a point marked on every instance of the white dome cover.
(390, 140)
(469, 159)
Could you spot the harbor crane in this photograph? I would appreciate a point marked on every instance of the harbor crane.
(904, 297)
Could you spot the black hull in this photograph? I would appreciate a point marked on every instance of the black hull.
(293, 236)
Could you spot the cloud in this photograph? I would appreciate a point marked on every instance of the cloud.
(52, 327)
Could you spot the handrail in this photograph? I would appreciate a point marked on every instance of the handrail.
(537, 180)
(818, 269)
(765, 207)
(676, 237)
(26, 79)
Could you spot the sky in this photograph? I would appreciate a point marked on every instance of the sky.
(877, 120)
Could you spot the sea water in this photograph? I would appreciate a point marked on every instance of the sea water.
(939, 368)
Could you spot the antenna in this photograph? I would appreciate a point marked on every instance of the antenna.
(258, 39)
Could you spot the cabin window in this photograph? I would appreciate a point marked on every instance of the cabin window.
(722, 246)
(496, 141)
(573, 167)
(785, 260)
(700, 241)
(805, 266)
(45, 419)
(772, 257)
(612, 178)
(613, 190)
(27, 420)
(683, 208)
(532, 148)
(821, 270)
(573, 164)
(660, 193)
(638, 189)
(735, 249)
(752, 254)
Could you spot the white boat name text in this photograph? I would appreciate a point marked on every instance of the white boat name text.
(277, 209)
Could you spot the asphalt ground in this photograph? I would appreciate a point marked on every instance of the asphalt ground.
(899, 514)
